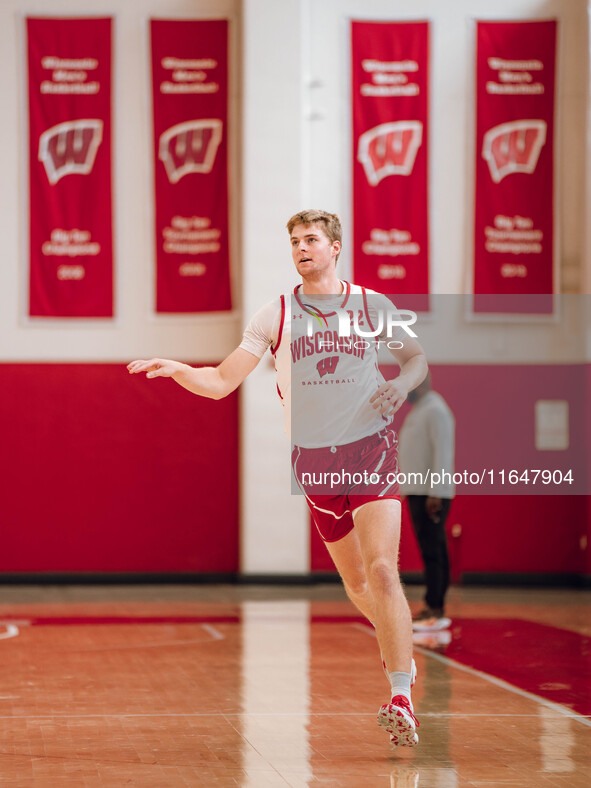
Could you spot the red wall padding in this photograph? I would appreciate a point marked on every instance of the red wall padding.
(507, 533)
(107, 472)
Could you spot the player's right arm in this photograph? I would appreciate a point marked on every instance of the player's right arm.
(217, 382)
(212, 382)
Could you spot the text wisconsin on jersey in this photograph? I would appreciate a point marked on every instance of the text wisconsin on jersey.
(326, 341)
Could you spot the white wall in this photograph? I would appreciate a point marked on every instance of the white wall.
(275, 531)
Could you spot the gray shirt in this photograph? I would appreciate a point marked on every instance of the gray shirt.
(426, 448)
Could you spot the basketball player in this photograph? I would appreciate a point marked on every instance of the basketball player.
(343, 410)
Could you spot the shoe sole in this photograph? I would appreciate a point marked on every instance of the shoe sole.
(400, 727)
(437, 626)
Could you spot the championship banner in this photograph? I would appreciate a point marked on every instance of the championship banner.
(514, 190)
(190, 98)
(70, 228)
(390, 66)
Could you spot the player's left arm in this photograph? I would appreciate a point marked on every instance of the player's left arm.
(413, 370)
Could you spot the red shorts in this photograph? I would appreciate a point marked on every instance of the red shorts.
(336, 480)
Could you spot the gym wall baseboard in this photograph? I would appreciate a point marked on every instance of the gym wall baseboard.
(504, 579)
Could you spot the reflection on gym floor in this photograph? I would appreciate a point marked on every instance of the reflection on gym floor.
(178, 686)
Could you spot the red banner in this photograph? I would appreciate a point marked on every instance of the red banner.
(514, 197)
(190, 98)
(71, 253)
(390, 63)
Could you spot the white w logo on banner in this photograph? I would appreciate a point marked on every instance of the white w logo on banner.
(513, 147)
(190, 147)
(70, 147)
(390, 149)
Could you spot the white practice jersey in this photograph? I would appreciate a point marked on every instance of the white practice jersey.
(325, 380)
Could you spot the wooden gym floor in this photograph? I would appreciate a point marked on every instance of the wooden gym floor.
(264, 687)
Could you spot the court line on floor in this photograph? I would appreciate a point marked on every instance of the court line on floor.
(214, 634)
(557, 707)
(181, 714)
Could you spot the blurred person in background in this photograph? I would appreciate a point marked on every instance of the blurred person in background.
(426, 447)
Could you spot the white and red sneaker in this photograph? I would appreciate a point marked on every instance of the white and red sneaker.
(398, 720)
(413, 681)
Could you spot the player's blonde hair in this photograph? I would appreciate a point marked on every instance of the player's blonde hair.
(329, 221)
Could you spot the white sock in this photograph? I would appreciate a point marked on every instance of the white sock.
(400, 682)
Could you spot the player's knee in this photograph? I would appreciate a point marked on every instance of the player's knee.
(383, 577)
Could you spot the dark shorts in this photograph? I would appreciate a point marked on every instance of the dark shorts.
(336, 480)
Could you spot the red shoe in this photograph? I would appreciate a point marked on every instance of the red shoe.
(398, 720)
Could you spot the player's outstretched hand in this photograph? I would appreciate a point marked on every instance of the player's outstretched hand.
(390, 396)
(155, 367)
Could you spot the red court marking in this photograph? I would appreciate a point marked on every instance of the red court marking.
(547, 661)
(65, 621)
